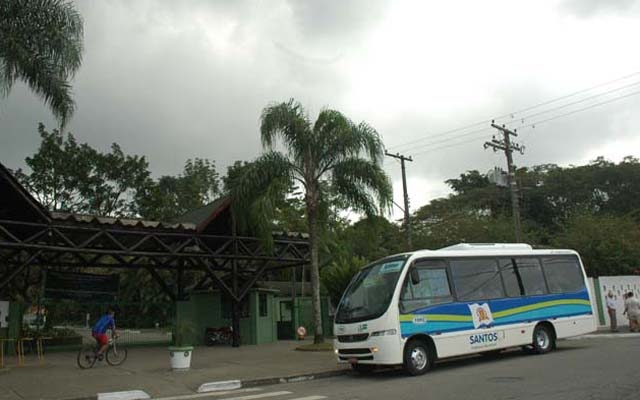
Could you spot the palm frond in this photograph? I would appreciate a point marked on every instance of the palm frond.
(41, 44)
(339, 139)
(288, 122)
(255, 193)
(359, 182)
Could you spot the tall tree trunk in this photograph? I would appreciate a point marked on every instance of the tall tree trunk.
(312, 213)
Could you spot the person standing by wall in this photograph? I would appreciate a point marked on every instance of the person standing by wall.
(632, 309)
(611, 309)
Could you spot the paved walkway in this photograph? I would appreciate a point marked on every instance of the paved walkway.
(148, 369)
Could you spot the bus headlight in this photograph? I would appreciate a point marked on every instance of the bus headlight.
(389, 332)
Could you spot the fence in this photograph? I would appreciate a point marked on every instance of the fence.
(137, 323)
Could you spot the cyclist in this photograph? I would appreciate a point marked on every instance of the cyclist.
(99, 331)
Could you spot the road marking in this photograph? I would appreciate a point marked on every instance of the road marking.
(310, 398)
(210, 394)
(126, 395)
(258, 396)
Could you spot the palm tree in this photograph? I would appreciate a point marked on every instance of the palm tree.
(331, 158)
(41, 44)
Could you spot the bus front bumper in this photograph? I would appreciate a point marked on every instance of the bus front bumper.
(374, 350)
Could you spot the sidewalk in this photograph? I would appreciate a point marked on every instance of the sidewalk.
(622, 332)
(148, 369)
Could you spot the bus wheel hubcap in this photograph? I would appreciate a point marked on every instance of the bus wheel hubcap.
(419, 358)
(542, 339)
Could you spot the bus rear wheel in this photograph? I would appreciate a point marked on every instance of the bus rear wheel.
(543, 340)
(418, 357)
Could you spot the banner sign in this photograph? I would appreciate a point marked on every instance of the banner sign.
(72, 285)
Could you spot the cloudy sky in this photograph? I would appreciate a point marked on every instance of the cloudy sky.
(173, 80)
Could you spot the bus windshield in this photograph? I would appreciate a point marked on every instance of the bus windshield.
(369, 294)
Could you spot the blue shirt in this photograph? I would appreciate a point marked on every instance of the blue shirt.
(104, 323)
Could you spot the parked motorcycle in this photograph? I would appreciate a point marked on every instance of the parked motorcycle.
(214, 336)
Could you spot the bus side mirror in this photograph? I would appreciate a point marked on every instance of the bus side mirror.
(415, 276)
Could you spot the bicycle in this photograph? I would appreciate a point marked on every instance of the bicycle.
(88, 354)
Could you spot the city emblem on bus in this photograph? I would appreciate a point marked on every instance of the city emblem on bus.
(481, 314)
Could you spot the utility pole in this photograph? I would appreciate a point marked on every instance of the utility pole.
(508, 148)
(407, 224)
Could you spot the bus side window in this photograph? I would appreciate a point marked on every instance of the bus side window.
(532, 277)
(512, 284)
(563, 274)
(476, 279)
(433, 288)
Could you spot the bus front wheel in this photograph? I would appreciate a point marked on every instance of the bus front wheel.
(543, 340)
(418, 357)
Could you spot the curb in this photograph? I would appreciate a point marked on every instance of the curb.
(94, 397)
(219, 386)
(224, 385)
(606, 336)
(294, 378)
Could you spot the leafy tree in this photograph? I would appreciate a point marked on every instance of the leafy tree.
(333, 157)
(41, 44)
(115, 180)
(56, 170)
(172, 196)
(608, 245)
(337, 276)
(71, 177)
(468, 181)
(234, 173)
(372, 238)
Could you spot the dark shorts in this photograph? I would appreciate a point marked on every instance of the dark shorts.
(101, 338)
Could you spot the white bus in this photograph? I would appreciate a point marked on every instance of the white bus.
(414, 308)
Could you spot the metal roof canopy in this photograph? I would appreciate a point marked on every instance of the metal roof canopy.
(32, 236)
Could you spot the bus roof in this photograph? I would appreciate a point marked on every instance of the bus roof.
(488, 246)
(493, 249)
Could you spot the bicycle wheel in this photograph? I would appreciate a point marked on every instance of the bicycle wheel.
(116, 355)
(86, 357)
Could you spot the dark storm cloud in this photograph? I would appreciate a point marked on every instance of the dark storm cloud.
(173, 79)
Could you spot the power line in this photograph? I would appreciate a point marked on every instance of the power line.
(483, 137)
(512, 114)
(533, 124)
(575, 102)
(445, 140)
(530, 125)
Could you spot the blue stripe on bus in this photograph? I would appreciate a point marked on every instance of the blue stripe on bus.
(559, 305)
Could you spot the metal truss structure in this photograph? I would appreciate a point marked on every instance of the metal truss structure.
(32, 237)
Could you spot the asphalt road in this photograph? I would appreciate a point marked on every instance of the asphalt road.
(583, 369)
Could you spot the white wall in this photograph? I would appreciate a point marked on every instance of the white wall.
(618, 285)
